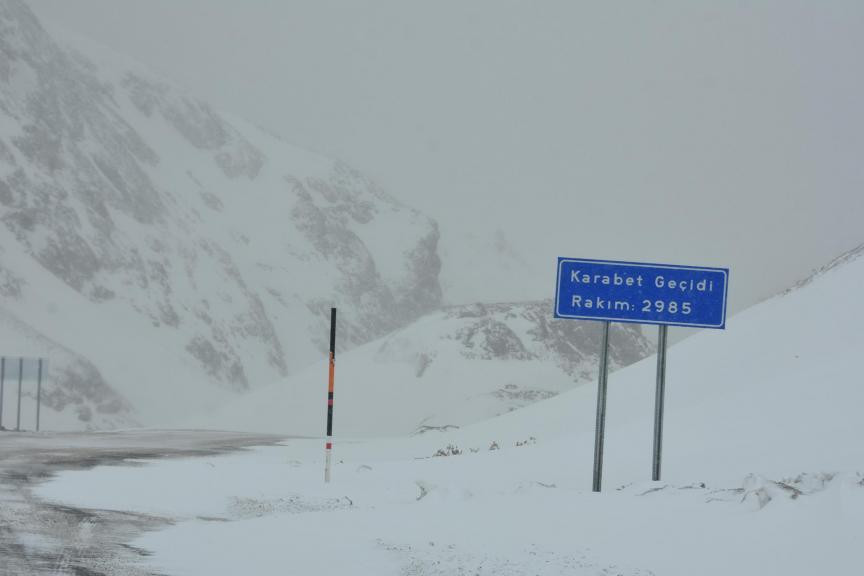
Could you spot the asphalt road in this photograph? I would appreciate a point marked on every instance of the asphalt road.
(38, 537)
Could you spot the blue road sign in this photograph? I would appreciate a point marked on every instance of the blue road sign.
(643, 293)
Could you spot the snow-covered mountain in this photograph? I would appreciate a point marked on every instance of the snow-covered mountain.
(450, 368)
(168, 244)
(186, 257)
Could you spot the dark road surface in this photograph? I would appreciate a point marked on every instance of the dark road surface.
(38, 537)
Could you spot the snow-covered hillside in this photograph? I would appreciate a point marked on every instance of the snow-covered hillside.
(184, 254)
(447, 369)
(763, 473)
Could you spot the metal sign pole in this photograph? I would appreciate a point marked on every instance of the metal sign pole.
(329, 445)
(2, 387)
(658, 402)
(38, 394)
(20, 380)
(600, 426)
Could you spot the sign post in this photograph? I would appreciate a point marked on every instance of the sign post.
(658, 402)
(600, 423)
(40, 365)
(663, 294)
(20, 380)
(39, 394)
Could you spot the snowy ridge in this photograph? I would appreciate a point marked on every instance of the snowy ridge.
(841, 260)
(448, 369)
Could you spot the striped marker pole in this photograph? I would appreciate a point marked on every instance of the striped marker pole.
(329, 445)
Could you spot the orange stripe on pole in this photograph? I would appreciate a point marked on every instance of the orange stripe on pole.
(332, 371)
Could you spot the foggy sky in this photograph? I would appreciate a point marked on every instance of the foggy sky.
(716, 134)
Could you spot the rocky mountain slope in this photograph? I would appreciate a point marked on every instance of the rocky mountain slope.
(169, 244)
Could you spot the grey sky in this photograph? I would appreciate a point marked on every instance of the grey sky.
(706, 133)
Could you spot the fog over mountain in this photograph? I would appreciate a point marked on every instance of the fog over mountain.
(705, 133)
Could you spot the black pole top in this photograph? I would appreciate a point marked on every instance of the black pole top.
(333, 331)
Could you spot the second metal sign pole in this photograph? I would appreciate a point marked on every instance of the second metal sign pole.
(600, 426)
(659, 401)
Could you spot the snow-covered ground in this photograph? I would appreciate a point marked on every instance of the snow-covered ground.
(763, 473)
